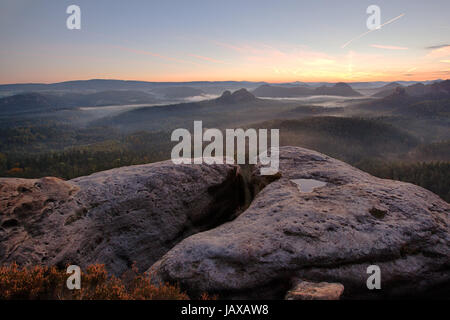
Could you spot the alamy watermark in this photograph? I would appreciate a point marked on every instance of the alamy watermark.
(259, 150)
(374, 280)
(73, 22)
(74, 280)
(374, 20)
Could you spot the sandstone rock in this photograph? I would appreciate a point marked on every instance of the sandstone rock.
(332, 233)
(319, 220)
(305, 290)
(115, 217)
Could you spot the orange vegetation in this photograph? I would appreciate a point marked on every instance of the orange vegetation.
(49, 283)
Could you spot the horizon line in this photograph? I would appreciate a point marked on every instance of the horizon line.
(194, 81)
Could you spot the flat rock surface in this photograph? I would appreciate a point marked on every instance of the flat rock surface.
(332, 234)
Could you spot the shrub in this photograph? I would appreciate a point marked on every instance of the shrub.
(49, 283)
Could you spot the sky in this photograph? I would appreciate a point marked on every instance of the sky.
(196, 40)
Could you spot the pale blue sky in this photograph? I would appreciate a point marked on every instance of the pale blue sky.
(222, 40)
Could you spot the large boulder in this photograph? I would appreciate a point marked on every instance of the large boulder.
(323, 220)
(115, 217)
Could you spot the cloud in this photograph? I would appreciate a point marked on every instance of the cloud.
(288, 62)
(153, 54)
(302, 62)
(208, 59)
(445, 61)
(230, 46)
(380, 46)
(320, 62)
(437, 47)
(263, 53)
(442, 52)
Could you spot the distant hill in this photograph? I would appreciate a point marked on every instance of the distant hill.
(231, 109)
(281, 91)
(391, 85)
(180, 92)
(417, 100)
(80, 85)
(211, 87)
(343, 137)
(89, 86)
(105, 98)
(387, 90)
(439, 89)
(27, 103)
(292, 84)
(426, 116)
(339, 89)
(41, 102)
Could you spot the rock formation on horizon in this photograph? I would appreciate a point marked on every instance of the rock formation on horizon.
(338, 89)
(239, 96)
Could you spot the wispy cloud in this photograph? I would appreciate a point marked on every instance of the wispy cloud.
(437, 46)
(380, 46)
(208, 59)
(229, 46)
(367, 32)
(442, 52)
(302, 62)
(153, 54)
(445, 61)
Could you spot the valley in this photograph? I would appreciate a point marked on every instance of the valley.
(54, 134)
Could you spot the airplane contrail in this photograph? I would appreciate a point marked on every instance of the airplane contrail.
(367, 32)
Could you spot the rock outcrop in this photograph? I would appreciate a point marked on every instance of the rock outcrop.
(318, 219)
(115, 217)
(332, 234)
(239, 96)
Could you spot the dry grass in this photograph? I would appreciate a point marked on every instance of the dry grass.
(49, 283)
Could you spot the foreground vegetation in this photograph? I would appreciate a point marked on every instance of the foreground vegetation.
(49, 283)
